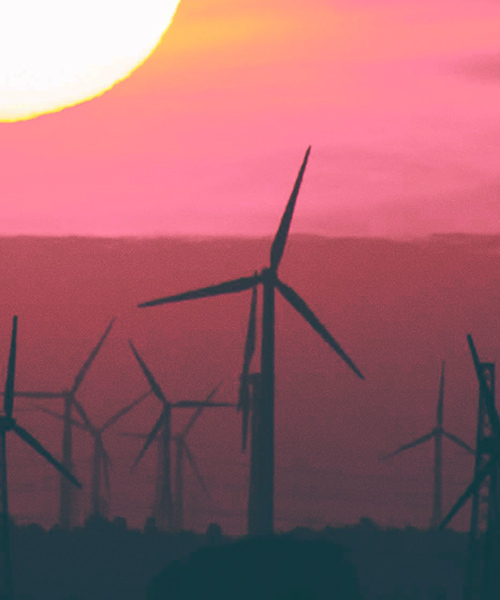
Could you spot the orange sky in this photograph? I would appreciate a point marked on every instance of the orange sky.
(400, 102)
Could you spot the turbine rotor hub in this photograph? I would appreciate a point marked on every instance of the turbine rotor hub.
(268, 275)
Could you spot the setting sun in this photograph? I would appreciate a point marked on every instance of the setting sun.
(58, 53)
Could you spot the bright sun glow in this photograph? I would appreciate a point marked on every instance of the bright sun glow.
(55, 53)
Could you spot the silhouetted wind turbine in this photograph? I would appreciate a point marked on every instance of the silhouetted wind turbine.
(492, 466)
(182, 451)
(66, 496)
(8, 423)
(101, 463)
(163, 510)
(437, 434)
(262, 523)
(482, 577)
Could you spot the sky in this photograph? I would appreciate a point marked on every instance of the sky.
(399, 100)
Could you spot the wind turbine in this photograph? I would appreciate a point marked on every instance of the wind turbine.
(437, 434)
(8, 423)
(482, 581)
(163, 510)
(101, 462)
(68, 395)
(180, 455)
(264, 444)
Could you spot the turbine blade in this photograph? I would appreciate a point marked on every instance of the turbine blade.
(157, 391)
(208, 399)
(197, 403)
(56, 415)
(251, 331)
(35, 444)
(245, 419)
(244, 391)
(8, 401)
(39, 395)
(149, 439)
(86, 365)
(194, 466)
(472, 489)
(458, 441)
(121, 413)
(417, 442)
(278, 246)
(228, 287)
(301, 307)
(485, 390)
(440, 405)
(81, 411)
(131, 434)
(197, 413)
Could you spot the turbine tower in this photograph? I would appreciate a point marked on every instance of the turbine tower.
(8, 423)
(163, 510)
(268, 277)
(66, 506)
(101, 462)
(482, 578)
(437, 435)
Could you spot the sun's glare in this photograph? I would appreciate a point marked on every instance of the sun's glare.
(56, 53)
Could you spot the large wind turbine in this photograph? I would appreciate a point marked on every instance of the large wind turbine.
(268, 277)
(437, 434)
(8, 423)
(101, 462)
(163, 510)
(68, 395)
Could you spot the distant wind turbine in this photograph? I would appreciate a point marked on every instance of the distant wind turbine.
(180, 455)
(268, 277)
(101, 463)
(163, 510)
(437, 434)
(66, 507)
(8, 423)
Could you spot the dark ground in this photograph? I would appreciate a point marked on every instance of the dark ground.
(106, 561)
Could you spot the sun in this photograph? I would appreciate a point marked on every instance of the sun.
(56, 53)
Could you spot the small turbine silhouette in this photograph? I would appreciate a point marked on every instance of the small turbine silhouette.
(8, 424)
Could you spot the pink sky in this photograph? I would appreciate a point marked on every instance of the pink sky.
(400, 101)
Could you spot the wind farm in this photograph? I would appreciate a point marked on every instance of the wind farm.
(298, 200)
(216, 442)
(255, 470)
